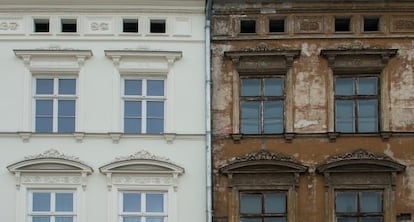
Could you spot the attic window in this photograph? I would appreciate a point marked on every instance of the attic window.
(69, 25)
(248, 26)
(41, 25)
(276, 25)
(157, 26)
(342, 24)
(371, 24)
(130, 25)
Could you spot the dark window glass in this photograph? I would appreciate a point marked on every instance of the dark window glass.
(248, 26)
(263, 207)
(155, 117)
(69, 25)
(133, 87)
(371, 24)
(359, 206)
(276, 25)
(41, 25)
(342, 24)
(44, 86)
(132, 117)
(130, 25)
(131, 202)
(67, 86)
(157, 26)
(66, 116)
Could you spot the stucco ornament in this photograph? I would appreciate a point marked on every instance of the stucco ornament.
(52, 153)
(359, 154)
(142, 155)
(263, 155)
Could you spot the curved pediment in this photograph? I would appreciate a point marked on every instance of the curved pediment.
(263, 162)
(50, 161)
(361, 161)
(142, 163)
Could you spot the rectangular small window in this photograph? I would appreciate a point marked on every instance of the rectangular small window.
(263, 206)
(57, 206)
(157, 26)
(371, 24)
(247, 26)
(342, 24)
(143, 206)
(41, 25)
(359, 206)
(262, 105)
(143, 106)
(55, 102)
(130, 25)
(277, 25)
(356, 104)
(69, 25)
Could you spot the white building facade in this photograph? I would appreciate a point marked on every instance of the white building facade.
(103, 111)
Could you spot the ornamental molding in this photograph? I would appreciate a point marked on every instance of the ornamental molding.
(142, 180)
(47, 179)
(359, 154)
(142, 155)
(52, 153)
(263, 155)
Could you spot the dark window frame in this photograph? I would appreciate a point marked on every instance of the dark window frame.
(263, 215)
(371, 28)
(358, 214)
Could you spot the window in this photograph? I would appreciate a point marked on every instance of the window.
(342, 24)
(55, 102)
(143, 106)
(262, 105)
(356, 104)
(371, 24)
(263, 207)
(277, 25)
(68, 25)
(143, 207)
(41, 25)
(247, 26)
(52, 206)
(130, 25)
(157, 26)
(359, 206)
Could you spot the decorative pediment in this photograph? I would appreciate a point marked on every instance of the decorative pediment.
(263, 61)
(141, 62)
(358, 60)
(51, 61)
(360, 161)
(263, 162)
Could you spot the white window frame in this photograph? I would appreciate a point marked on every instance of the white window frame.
(143, 213)
(52, 213)
(69, 18)
(55, 98)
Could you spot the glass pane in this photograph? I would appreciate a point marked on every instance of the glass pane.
(41, 219)
(347, 219)
(131, 219)
(64, 219)
(131, 202)
(132, 125)
(44, 86)
(155, 202)
(344, 86)
(44, 107)
(273, 87)
(133, 87)
(155, 109)
(250, 117)
(275, 219)
(41, 202)
(344, 116)
(273, 117)
(367, 116)
(275, 203)
(66, 107)
(64, 202)
(250, 87)
(346, 202)
(44, 124)
(155, 87)
(66, 124)
(371, 202)
(154, 219)
(251, 204)
(155, 126)
(250, 220)
(367, 86)
(132, 108)
(371, 219)
(67, 86)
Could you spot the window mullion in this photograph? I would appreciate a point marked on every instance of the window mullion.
(55, 104)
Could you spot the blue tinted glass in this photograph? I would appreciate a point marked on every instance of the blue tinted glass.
(64, 219)
(40, 219)
(155, 202)
(44, 124)
(275, 219)
(155, 87)
(44, 86)
(250, 117)
(132, 109)
(344, 86)
(131, 219)
(273, 87)
(66, 124)
(367, 116)
(371, 219)
(133, 87)
(155, 126)
(154, 219)
(273, 117)
(155, 109)
(41, 202)
(250, 87)
(344, 116)
(346, 202)
(250, 220)
(275, 203)
(347, 219)
(371, 202)
(132, 125)
(44, 107)
(67, 86)
(251, 204)
(367, 86)
(131, 202)
(66, 108)
(64, 202)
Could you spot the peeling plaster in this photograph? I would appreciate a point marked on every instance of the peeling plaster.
(305, 123)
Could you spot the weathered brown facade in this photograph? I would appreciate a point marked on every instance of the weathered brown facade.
(323, 148)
